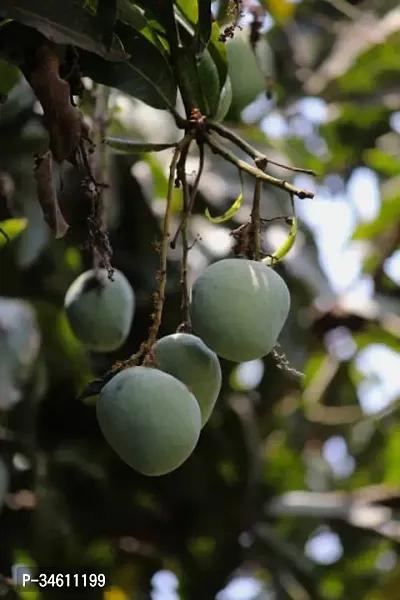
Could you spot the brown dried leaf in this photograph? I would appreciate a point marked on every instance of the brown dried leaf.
(47, 195)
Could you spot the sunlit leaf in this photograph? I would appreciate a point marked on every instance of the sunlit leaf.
(387, 217)
(280, 10)
(382, 161)
(164, 13)
(392, 452)
(216, 47)
(10, 229)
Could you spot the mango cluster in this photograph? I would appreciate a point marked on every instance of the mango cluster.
(152, 416)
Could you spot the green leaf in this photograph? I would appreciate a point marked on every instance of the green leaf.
(228, 214)
(147, 75)
(199, 80)
(280, 10)
(10, 229)
(163, 12)
(131, 147)
(216, 48)
(382, 161)
(392, 449)
(133, 16)
(71, 25)
(107, 17)
(9, 76)
(203, 27)
(388, 216)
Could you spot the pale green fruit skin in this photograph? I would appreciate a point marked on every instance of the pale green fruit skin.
(100, 320)
(238, 308)
(150, 419)
(187, 358)
(247, 76)
(225, 101)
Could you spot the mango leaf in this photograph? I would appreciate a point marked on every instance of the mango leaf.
(216, 48)
(107, 17)
(10, 229)
(382, 161)
(388, 216)
(147, 75)
(392, 448)
(203, 27)
(228, 214)
(71, 25)
(280, 10)
(164, 13)
(133, 16)
(129, 146)
(9, 76)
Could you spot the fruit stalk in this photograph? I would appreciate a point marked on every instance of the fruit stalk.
(162, 273)
(185, 325)
(256, 219)
(188, 212)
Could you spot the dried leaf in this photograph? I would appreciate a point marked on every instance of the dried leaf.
(47, 195)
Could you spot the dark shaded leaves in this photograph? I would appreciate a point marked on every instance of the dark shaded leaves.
(147, 74)
(71, 25)
(107, 17)
(203, 27)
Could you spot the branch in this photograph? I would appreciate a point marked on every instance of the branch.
(186, 322)
(188, 212)
(255, 172)
(252, 152)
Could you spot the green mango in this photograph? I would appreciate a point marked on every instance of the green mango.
(238, 308)
(150, 419)
(187, 358)
(100, 311)
(247, 70)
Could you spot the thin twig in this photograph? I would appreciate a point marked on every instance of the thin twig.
(192, 196)
(185, 326)
(252, 152)
(255, 172)
(162, 274)
(278, 255)
(256, 218)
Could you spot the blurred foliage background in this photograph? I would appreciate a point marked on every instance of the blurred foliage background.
(294, 489)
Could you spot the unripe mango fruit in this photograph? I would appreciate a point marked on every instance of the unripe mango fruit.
(187, 358)
(100, 311)
(150, 419)
(239, 307)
